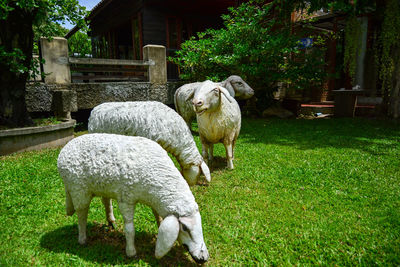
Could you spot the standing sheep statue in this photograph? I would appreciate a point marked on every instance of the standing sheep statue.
(235, 85)
(131, 170)
(155, 121)
(219, 119)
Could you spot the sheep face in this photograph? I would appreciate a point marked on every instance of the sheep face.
(192, 173)
(208, 97)
(239, 86)
(189, 233)
(191, 236)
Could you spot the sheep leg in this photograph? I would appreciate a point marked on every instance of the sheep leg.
(82, 222)
(229, 155)
(81, 202)
(69, 206)
(211, 152)
(127, 212)
(158, 217)
(109, 211)
(204, 151)
(233, 149)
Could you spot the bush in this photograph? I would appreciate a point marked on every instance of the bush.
(256, 45)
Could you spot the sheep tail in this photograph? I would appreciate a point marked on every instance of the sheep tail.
(68, 203)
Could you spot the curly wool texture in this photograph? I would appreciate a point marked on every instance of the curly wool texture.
(126, 168)
(149, 119)
(235, 85)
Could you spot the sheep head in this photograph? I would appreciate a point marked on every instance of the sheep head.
(208, 97)
(189, 232)
(238, 87)
(192, 173)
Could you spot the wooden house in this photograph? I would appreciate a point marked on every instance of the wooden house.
(120, 28)
(359, 95)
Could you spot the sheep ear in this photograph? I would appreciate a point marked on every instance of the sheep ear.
(167, 235)
(190, 96)
(206, 171)
(226, 94)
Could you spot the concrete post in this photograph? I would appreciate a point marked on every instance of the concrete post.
(64, 101)
(157, 72)
(55, 54)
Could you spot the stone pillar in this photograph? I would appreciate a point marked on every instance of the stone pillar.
(64, 101)
(58, 74)
(55, 54)
(157, 72)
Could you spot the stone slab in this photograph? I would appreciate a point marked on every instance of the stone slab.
(35, 138)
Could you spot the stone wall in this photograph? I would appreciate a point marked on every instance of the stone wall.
(39, 96)
(90, 95)
(58, 94)
(35, 138)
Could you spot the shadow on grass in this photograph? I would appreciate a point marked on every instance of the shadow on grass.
(195, 133)
(369, 135)
(107, 246)
(219, 163)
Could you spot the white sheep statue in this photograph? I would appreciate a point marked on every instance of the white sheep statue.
(219, 119)
(131, 170)
(155, 121)
(235, 85)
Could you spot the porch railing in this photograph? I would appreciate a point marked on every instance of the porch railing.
(62, 69)
(108, 70)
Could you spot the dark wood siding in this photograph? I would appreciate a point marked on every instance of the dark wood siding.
(111, 24)
(154, 27)
(114, 15)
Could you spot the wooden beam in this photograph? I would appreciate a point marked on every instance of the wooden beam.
(107, 78)
(106, 61)
(79, 69)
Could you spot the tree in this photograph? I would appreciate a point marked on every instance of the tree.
(18, 20)
(80, 43)
(256, 45)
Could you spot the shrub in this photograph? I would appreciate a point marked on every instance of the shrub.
(256, 45)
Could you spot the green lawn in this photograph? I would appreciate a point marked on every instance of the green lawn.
(304, 192)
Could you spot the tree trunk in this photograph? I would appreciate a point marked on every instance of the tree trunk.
(15, 33)
(395, 93)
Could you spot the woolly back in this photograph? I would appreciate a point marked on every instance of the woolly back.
(135, 169)
(149, 119)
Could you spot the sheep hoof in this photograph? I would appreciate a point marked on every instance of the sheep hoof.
(230, 166)
(82, 242)
(131, 253)
(111, 224)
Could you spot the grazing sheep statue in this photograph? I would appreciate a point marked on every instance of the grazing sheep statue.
(155, 121)
(219, 119)
(131, 170)
(235, 85)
